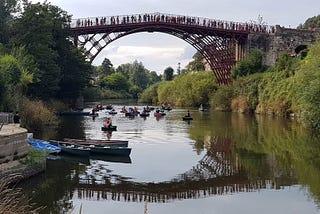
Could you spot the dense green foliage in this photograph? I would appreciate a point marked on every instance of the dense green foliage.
(14, 79)
(62, 70)
(221, 100)
(116, 81)
(105, 69)
(313, 22)
(168, 74)
(307, 87)
(290, 87)
(252, 64)
(197, 64)
(7, 10)
(150, 95)
(191, 89)
(127, 81)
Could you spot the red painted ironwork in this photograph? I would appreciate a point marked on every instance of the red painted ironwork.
(216, 40)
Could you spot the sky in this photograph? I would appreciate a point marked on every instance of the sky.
(158, 51)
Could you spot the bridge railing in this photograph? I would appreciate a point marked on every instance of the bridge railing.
(170, 18)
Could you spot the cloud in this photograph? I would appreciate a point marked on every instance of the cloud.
(188, 53)
(153, 58)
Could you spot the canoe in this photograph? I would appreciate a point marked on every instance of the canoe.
(144, 114)
(76, 149)
(109, 107)
(187, 118)
(159, 114)
(113, 143)
(43, 146)
(131, 114)
(71, 149)
(110, 128)
(166, 108)
(108, 150)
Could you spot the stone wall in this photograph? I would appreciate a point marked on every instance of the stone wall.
(283, 40)
(13, 144)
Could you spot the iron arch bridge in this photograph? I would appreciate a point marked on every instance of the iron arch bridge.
(221, 43)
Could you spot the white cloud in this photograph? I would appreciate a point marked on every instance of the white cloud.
(153, 58)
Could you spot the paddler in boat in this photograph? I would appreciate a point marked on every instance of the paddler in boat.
(108, 123)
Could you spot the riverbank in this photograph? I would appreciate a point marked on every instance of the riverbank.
(14, 154)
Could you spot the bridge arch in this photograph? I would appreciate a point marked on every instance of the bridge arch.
(221, 43)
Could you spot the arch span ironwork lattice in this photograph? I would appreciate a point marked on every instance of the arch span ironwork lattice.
(221, 43)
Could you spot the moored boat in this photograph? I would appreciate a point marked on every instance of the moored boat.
(86, 150)
(72, 149)
(109, 150)
(43, 145)
(114, 143)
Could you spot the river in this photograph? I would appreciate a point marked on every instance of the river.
(217, 163)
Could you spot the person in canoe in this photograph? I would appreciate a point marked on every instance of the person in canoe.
(187, 116)
(108, 123)
(124, 110)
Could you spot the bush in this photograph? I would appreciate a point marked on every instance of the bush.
(92, 94)
(221, 100)
(307, 88)
(191, 89)
(246, 89)
(250, 65)
(35, 115)
(150, 95)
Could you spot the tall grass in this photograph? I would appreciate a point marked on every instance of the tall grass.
(35, 115)
(12, 199)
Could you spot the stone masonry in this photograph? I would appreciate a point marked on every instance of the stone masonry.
(288, 40)
(13, 144)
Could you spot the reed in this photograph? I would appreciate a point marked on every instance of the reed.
(12, 199)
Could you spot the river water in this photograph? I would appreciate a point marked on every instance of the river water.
(217, 163)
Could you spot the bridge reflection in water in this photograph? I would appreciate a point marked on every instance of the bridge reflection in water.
(219, 172)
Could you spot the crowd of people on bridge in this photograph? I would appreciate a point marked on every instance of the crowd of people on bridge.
(173, 19)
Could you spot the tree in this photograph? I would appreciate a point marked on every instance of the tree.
(116, 81)
(168, 74)
(154, 77)
(107, 67)
(7, 10)
(75, 73)
(197, 64)
(14, 77)
(313, 22)
(62, 71)
(139, 75)
(250, 65)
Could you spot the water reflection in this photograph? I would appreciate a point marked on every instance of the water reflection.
(230, 153)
